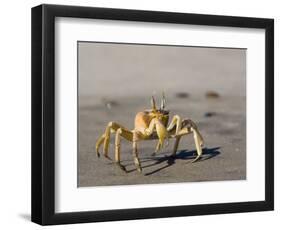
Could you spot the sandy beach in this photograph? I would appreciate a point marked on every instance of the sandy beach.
(117, 81)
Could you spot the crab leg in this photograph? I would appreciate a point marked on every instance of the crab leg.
(198, 142)
(117, 149)
(176, 121)
(191, 127)
(176, 145)
(105, 138)
(135, 152)
(158, 146)
(98, 144)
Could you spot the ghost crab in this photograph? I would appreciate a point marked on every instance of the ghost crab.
(150, 125)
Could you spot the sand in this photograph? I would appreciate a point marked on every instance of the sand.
(221, 120)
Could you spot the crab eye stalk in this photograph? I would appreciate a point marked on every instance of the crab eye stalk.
(153, 104)
(163, 102)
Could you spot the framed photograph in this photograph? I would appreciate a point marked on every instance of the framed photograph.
(143, 114)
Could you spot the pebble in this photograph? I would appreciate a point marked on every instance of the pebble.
(212, 94)
(182, 95)
(209, 114)
(110, 103)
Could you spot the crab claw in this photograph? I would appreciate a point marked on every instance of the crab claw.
(161, 132)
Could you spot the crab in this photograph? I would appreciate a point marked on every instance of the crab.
(150, 124)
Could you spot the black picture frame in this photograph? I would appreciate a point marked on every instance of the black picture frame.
(43, 114)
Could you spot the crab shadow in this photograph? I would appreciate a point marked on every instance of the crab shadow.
(207, 154)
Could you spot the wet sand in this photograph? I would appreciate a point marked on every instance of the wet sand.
(221, 120)
(224, 156)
